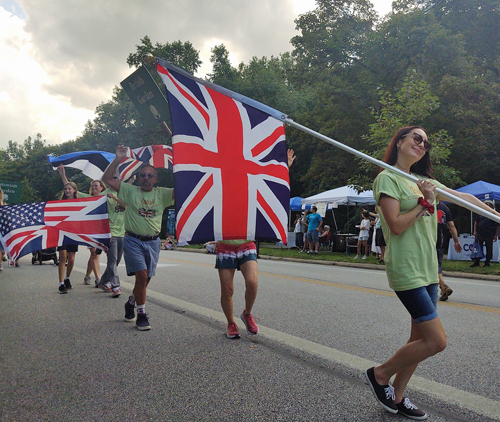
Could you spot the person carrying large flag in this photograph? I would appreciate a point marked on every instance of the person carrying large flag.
(231, 179)
(141, 245)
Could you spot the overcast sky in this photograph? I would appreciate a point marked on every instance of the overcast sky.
(60, 59)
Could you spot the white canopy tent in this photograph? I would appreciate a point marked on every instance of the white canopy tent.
(346, 195)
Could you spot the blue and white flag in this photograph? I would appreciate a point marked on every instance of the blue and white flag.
(91, 163)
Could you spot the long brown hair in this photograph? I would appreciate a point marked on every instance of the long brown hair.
(423, 167)
(1, 197)
(73, 185)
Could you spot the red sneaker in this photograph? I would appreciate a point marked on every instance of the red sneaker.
(232, 331)
(249, 323)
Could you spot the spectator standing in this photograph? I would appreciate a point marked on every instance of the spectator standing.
(314, 222)
(445, 218)
(305, 243)
(364, 232)
(299, 232)
(486, 232)
(141, 245)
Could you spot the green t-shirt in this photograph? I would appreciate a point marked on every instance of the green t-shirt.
(82, 195)
(235, 242)
(410, 258)
(144, 210)
(116, 214)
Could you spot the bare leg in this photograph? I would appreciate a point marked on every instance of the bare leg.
(63, 255)
(71, 263)
(226, 277)
(250, 272)
(96, 266)
(426, 339)
(141, 284)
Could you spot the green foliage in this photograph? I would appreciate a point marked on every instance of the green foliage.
(181, 54)
(350, 76)
(413, 104)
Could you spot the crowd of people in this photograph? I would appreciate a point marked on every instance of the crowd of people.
(407, 226)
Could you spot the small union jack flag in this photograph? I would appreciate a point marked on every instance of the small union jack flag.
(159, 156)
(26, 228)
(230, 163)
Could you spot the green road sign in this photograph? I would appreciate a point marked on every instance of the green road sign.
(146, 96)
(12, 192)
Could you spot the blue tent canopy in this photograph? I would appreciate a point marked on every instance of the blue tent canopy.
(295, 204)
(482, 190)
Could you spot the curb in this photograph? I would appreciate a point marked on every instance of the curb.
(379, 267)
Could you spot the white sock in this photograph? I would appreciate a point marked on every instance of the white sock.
(61, 283)
(141, 309)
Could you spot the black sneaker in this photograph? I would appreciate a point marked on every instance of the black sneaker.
(63, 289)
(67, 283)
(383, 393)
(408, 409)
(129, 312)
(142, 322)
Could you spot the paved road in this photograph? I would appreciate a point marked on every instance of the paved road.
(72, 358)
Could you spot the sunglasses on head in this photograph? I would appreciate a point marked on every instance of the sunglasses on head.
(148, 175)
(418, 139)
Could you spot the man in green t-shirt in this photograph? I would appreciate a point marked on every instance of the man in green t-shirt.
(141, 245)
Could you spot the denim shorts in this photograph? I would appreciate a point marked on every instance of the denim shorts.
(141, 255)
(234, 256)
(312, 236)
(362, 238)
(421, 302)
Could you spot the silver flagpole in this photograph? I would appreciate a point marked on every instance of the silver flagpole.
(440, 192)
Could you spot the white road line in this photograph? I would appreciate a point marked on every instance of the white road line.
(481, 405)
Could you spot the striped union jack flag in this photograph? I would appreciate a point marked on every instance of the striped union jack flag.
(159, 156)
(230, 164)
(26, 228)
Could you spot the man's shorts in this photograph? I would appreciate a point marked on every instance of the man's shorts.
(421, 302)
(68, 248)
(141, 255)
(234, 256)
(440, 261)
(312, 236)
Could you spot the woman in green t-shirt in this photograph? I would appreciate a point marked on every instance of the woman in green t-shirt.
(409, 225)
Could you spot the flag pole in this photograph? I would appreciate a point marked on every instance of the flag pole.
(443, 194)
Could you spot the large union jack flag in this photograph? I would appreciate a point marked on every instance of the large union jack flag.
(230, 164)
(159, 156)
(26, 228)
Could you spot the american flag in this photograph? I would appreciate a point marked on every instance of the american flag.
(26, 228)
(230, 164)
(159, 156)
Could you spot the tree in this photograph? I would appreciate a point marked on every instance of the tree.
(413, 104)
(181, 54)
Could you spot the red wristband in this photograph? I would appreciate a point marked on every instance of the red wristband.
(422, 201)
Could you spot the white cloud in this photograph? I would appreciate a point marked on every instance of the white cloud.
(64, 59)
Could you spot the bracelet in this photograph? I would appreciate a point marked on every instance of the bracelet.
(425, 204)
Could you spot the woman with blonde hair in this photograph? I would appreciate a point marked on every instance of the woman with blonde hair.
(97, 188)
(67, 253)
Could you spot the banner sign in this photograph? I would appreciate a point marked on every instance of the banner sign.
(12, 192)
(146, 96)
